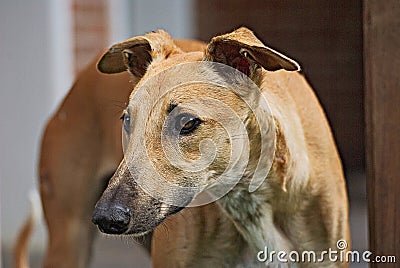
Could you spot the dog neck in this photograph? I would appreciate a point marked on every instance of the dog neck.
(254, 213)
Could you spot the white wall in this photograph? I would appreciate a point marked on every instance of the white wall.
(136, 17)
(35, 72)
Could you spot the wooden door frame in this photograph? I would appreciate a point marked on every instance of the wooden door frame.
(382, 114)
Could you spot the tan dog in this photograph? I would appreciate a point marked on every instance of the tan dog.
(80, 150)
(186, 120)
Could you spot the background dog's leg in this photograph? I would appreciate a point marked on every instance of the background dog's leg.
(70, 186)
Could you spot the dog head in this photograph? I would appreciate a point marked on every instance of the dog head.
(192, 128)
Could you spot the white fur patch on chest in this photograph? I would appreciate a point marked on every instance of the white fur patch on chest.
(253, 218)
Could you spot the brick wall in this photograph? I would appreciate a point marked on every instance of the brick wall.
(324, 36)
(90, 30)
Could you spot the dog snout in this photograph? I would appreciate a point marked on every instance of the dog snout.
(113, 219)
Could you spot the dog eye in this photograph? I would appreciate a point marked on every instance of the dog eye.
(126, 121)
(187, 123)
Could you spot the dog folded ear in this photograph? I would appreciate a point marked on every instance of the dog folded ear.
(242, 50)
(135, 54)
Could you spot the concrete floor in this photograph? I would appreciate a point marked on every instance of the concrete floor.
(122, 252)
(358, 214)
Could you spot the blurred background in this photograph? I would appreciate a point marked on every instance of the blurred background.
(44, 44)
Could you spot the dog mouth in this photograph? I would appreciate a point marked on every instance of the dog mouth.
(137, 235)
(142, 225)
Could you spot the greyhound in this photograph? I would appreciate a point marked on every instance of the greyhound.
(228, 157)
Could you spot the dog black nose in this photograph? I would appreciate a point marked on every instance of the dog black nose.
(112, 220)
